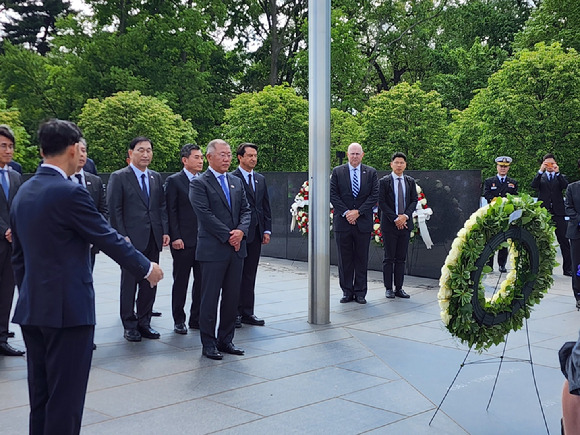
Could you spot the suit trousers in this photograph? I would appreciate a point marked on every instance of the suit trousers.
(248, 284)
(502, 255)
(59, 361)
(575, 251)
(6, 288)
(353, 257)
(396, 244)
(219, 277)
(183, 262)
(564, 243)
(146, 296)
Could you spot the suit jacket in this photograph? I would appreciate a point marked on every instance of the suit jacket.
(182, 218)
(492, 188)
(387, 201)
(95, 186)
(259, 202)
(129, 212)
(550, 192)
(573, 210)
(215, 218)
(5, 204)
(54, 222)
(90, 166)
(342, 198)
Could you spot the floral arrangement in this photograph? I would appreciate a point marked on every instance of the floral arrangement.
(508, 306)
(421, 214)
(299, 210)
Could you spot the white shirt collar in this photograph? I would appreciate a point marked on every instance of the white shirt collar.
(56, 168)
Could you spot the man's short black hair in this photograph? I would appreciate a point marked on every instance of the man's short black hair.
(398, 154)
(242, 148)
(56, 135)
(548, 156)
(7, 132)
(138, 139)
(187, 149)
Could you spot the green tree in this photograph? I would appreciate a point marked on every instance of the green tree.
(110, 124)
(344, 130)
(553, 21)
(409, 120)
(24, 153)
(276, 120)
(530, 107)
(33, 23)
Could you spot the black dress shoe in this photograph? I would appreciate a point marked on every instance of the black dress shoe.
(7, 350)
(502, 269)
(180, 328)
(566, 273)
(230, 348)
(193, 325)
(238, 322)
(155, 313)
(211, 353)
(11, 333)
(389, 293)
(401, 294)
(132, 335)
(361, 300)
(94, 346)
(346, 299)
(253, 320)
(149, 332)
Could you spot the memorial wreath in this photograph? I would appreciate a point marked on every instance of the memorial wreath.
(523, 226)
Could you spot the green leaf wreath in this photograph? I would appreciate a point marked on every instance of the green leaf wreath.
(523, 287)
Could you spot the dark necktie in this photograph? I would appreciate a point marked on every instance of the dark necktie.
(355, 186)
(550, 177)
(225, 189)
(144, 189)
(80, 178)
(400, 197)
(250, 183)
(5, 186)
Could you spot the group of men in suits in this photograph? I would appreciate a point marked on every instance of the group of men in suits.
(354, 192)
(218, 222)
(54, 221)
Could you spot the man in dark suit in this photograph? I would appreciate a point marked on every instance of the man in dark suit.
(137, 210)
(573, 233)
(397, 202)
(493, 187)
(549, 183)
(10, 183)
(223, 217)
(53, 222)
(354, 191)
(96, 188)
(183, 238)
(258, 233)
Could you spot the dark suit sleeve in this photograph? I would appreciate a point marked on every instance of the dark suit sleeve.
(102, 205)
(487, 193)
(516, 186)
(367, 207)
(571, 209)
(115, 202)
(198, 196)
(413, 197)
(162, 205)
(536, 182)
(386, 205)
(93, 227)
(266, 209)
(245, 213)
(562, 181)
(171, 198)
(335, 198)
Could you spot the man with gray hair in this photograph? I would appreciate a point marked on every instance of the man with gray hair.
(354, 191)
(223, 217)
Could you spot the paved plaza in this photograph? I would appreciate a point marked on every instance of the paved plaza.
(379, 368)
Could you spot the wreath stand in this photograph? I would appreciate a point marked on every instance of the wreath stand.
(489, 319)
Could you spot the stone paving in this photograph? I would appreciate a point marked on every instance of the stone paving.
(379, 368)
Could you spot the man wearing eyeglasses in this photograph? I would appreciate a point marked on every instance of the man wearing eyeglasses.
(223, 217)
